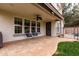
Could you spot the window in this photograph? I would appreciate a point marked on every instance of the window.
(26, 26)
(27, 29)
(38, 29)
(33, 29)
(18, 29)
(58, 27)
(33, 26)
(38, 26)
(33, 23)
(26, 22)
(18, 21)
(18, 25)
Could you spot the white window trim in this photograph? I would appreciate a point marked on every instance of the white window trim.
(17, 25)
(25, 26)
(33, 26)
(23, 32)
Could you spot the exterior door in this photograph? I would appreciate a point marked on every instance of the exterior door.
(48, 28)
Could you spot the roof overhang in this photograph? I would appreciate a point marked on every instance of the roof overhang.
(51, 9)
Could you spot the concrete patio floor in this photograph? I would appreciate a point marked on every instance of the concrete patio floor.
(41, 46)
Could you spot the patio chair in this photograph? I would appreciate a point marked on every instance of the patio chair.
(28, 34)
(34, 34)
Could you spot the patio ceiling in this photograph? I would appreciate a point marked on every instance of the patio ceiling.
(27, 10)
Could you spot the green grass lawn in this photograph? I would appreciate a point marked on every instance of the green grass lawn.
(67, 49)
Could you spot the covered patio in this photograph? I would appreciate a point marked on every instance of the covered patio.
(41, 46)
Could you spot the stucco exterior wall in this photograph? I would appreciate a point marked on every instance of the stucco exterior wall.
(7, 27)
